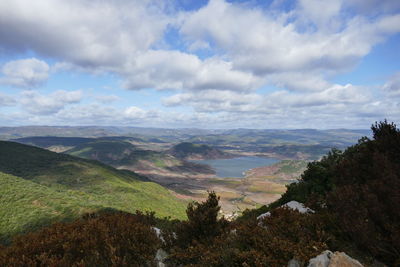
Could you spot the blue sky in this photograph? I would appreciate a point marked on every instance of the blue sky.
(206, 64)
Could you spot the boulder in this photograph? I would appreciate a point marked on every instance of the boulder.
(322, 260)
(158, 233)
(161, 255)
(341, 259)
(294, 205)
(337, 259)
(262, 216)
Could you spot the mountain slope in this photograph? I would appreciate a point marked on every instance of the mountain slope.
(25, 205)
(106, 151)
(100, 185)
(187, 150)
(123, 155)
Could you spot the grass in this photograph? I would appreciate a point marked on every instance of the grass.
(226, 181)
(266, 187)
(292, 166)
(52, 187)
(25, 205)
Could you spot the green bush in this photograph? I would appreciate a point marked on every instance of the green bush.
(367, 194)
(205, 240)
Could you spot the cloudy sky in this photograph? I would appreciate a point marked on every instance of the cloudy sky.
(195, 63)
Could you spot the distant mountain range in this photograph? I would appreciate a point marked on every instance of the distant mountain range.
(290, 144)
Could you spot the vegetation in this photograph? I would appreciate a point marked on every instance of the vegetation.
(205, 240)
(358, 191)
(106, 151)
(355, 195)
(48, 141)
(25, 205)
(186, 150)
(40, 187)
(291, 166)
(108, 239)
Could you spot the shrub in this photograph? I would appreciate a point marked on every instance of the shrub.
(112, 239)
(285, 235)
(367, 194)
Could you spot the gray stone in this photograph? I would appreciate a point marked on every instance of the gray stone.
(322, 260)
(294, 263)
(161, 255)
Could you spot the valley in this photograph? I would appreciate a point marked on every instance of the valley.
(246, 168)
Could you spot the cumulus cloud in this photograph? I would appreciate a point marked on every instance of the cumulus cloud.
(216, 100)
(40, 104)
(87, 33)
(336, 96)
(6, 100)
(262, 44)
(392, 86)
(177, 70)
(295, 51)
(135, 113)
(25, 73)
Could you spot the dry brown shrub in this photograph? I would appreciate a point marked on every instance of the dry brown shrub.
(114, 239)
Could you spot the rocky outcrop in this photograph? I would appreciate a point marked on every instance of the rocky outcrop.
(293, 205)
(337, 259)
(341, 259)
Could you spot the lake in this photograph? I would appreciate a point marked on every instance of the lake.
(236, 167)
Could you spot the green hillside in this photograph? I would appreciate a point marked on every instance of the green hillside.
(80, 185)
(48, 141)
(119, 153)
(187, 150)
(25, 205)
(106, 151)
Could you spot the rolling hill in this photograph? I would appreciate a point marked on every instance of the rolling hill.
(41, 179)
(191, 151)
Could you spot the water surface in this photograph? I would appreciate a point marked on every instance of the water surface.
(236, 167)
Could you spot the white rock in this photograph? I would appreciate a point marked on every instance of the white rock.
(322, 260)
(294, 205)
(341, 259)
(158, 233)
(262, 216)
(337, 259)
(161, 255)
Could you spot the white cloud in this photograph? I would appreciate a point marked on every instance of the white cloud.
(87, 33)
(223, 54)
(6, 100)
(176, 70)
(135, 113)
(39, 104)
(258, 42)
(25, 73)
(392, 86)
(216, 100)
(336, 99)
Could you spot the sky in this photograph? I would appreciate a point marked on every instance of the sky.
(200, 64)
